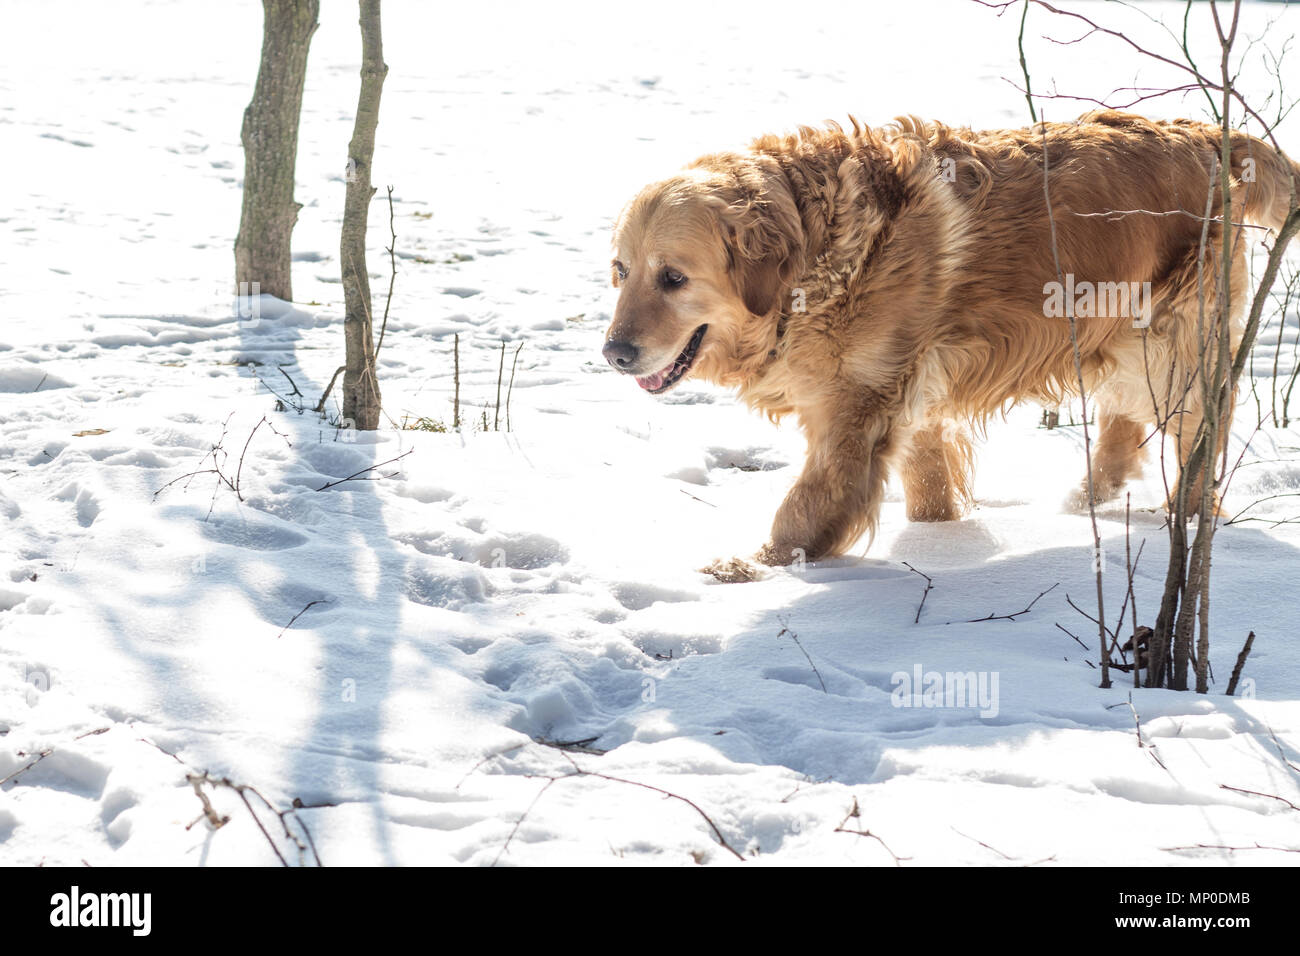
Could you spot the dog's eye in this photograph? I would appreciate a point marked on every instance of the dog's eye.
(672, 279)
(620, 270)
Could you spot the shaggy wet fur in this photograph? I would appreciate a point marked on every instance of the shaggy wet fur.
(889, 288)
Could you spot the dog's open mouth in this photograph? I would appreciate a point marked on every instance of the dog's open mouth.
(670, 375)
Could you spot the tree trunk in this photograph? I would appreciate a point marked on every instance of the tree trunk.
(361, 401)
(270, 138)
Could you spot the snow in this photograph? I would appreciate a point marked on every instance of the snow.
(495, 589)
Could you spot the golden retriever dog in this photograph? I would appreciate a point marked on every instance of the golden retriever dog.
(895, 287)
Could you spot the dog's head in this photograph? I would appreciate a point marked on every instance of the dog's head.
(701, 262)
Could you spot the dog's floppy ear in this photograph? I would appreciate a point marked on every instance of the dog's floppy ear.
(763, 232)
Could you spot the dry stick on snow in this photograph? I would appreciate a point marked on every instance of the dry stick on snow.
(1256, 793)
(581, 745)
(235, 483)
(1130, 599)
(197, 780)
(855, 814)
(981, 843)
(492, 756)
(1238, 519)
(296, 616)
(785, 630)
(392, 276)
(1142, 744)
(213, 452)
(1105, 630)
(1008, 617)
(510, 389)
(292, 383)
(1130, 568)
(929, 586)
(1137, 723)
(496, 415)
(455, 401)
(1241, 662)
(1075, 636)
(700, 500)
(21, 770)
(356, 475)
(1230, 849)
(579, 772)
(1282, 753)
(239, 470)
(161, 749)
(215, 820)
(550, 781)
(283, 401)
(320, 406)
(49, 750)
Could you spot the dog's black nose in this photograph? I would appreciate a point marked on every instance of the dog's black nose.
(621, 355)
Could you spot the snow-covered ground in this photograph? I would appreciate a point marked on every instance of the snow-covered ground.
(498, 593)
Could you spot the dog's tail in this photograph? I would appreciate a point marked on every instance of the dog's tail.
(1270, 181)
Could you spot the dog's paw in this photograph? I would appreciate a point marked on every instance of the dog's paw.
(733, 571)
(1080, 502)
(1076, 502)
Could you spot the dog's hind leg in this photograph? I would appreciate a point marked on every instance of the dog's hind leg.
(1116, 457)
(936, 472)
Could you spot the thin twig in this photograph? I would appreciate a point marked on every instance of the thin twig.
(1008, 617)
(21, 770)
(356, 475)
(320, 406)
(392, 276)
(785, 631)
(496, 415)
(1256, 793)
(1072, 634)
(1230, 849)
(854, 814)
(982, 843)
(510, 390)
(579, 772)
(296, 616)
(929, 586)
(1241, 662)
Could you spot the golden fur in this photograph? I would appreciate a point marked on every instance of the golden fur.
(888, 287)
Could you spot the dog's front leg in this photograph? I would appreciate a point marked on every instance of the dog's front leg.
(838, 495)
(836, 498)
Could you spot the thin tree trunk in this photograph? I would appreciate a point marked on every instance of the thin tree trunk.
(270, 138)
(361, 399)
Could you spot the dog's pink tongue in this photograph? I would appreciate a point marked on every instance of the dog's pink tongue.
(650, 382)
